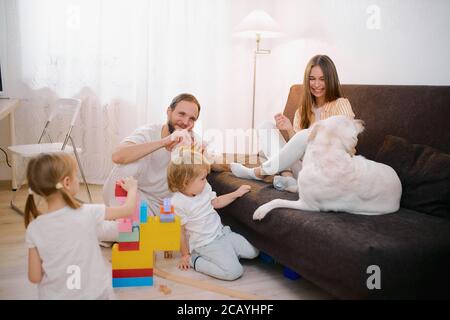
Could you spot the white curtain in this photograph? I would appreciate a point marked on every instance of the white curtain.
(126, 60)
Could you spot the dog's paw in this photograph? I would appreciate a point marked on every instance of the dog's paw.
(261, 212)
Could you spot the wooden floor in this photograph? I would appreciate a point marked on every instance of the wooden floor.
(259, 279)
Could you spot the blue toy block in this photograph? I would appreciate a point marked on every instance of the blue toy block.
(266, 258)
(132, 282)
(143, 212)
(290, 274)
(166, 204)
(167, 217)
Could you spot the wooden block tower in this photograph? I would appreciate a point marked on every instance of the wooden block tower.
(139, 237)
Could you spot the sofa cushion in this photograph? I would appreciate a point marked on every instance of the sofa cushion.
(424, 173)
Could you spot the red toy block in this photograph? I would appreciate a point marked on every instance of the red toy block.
(132, 273)
(119, 191)
(128, 246)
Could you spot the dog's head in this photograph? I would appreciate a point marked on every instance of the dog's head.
(337, 128)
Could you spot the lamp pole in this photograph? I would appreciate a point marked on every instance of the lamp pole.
(257, 51)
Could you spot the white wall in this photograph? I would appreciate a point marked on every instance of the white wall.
(371, 42)
(409, 46)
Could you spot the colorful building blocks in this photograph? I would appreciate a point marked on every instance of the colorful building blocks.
(133, 256)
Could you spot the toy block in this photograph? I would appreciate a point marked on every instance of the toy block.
(143, 212)
(266, 258)
(155, 235)
(163, 210)
(141, 259)
(290, 274)
(132, 282)
(135, 224)
(128, 246)
(167, 217)
(166, 204)
(125, 225)
(129, 236)
(119, 191)
(132, 273)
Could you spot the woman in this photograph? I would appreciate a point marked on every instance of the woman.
(321, 99)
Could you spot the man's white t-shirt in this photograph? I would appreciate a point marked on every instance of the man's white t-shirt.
(152, 171)
(198, 216)
(66, 240)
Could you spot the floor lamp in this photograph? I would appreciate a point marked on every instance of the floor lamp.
(257, 25)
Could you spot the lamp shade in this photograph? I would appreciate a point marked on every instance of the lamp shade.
(257, 22)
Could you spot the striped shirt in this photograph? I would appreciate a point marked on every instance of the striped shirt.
(340, 106)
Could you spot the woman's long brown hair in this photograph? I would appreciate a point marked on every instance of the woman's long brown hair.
(332, 87)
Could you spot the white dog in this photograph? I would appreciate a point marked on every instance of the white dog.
(334, 179)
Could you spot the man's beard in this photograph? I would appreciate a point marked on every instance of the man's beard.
(170, 126)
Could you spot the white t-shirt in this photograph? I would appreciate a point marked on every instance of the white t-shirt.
(66, 240)
(152, 172)
(198, 216)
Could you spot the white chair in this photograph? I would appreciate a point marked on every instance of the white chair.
(63, 108)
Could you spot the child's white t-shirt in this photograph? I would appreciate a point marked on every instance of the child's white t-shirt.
(66, 240)
(199, 218)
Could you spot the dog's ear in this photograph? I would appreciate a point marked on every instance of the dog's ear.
(359, 124)
(313, 131)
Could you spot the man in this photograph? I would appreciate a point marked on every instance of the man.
(145, 154)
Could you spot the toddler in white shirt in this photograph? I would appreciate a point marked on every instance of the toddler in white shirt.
(206, 245)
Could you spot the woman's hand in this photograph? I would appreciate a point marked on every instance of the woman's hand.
(242, 190)
(282, 122)
(183, 264)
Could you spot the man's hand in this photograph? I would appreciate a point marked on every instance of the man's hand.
(177, 137)
(243, 190)
(283, 122)
(183, 264)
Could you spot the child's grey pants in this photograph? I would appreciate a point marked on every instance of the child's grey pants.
(220, 258)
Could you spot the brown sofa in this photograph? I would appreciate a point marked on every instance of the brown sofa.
(334, 250)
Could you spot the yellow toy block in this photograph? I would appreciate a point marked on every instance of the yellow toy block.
(160, 236)
(141, 259)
